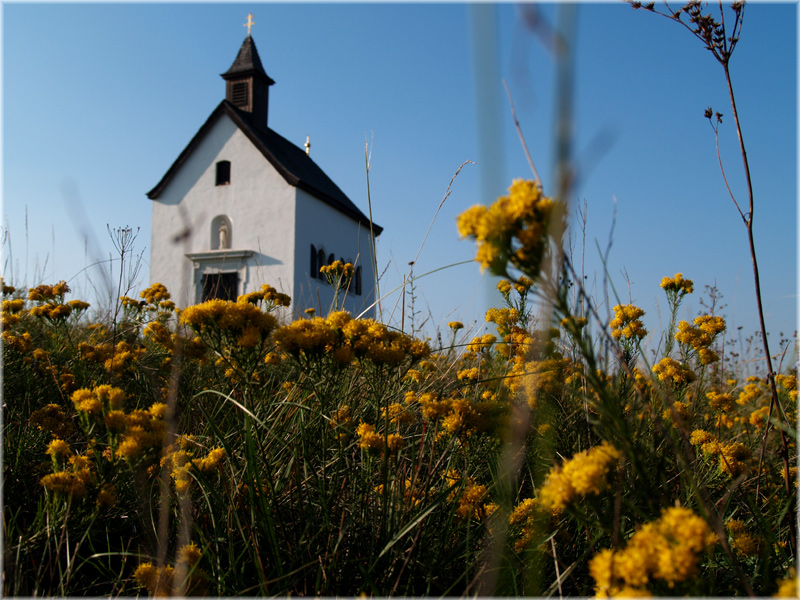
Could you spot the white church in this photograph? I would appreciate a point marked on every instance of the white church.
(242, 206)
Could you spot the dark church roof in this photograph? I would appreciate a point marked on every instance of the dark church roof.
(247, 62)
(291, 162)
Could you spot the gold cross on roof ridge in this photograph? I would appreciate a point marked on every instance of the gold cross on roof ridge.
(249, 23)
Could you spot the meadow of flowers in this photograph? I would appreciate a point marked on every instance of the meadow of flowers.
(246, 448)
(228, 449)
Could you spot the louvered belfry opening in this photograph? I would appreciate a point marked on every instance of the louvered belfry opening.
(247, 84)
(240, 94)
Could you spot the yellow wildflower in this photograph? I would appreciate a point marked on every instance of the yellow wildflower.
(669, 369)
(677, 285)
(52, 419)
(586, 473)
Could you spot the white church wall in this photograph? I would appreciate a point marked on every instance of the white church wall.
(330, 230)
(257, 205)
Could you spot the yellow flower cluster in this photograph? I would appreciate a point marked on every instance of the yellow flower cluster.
(132, 304)
(627, 322)
(573, 324)
(459, 415)
(481, 342)
(701, 335)
(241, 321)
(521, 285)
(719, 401)
(732, 458)
(11, 313)
(123, 357)
(52, 419)
(677, 285)
(397, 414)
(13, 306)
(373, 442)
(73, 479)
(154, 298)
(670, 370)
(788, 588)
(162, 336)
(468, 374)
(107, 496)
(749, 394)
(101, 399)
(52, 312)
(337, 269)
(269, 295)
(512, 230)
(469, 496)
(159, 333)
(7, 289)
(59, 450)
(161, 582)
(586, 473)
(46, 293)
(523, 522)
(505, 319)
(155, 294)
(71, 473)
(140, 429)
(466, 417)
(678, 411)
(21, 343)
(455, 325)
(340, 419)
(546, 378)
(667, 549)
(758, 418)
(136, 431)
(51, 306)
(181, 459)
(78, 305)
(789, 383)
(343, 338)
(742, 540)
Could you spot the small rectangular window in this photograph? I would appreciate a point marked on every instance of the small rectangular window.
(223, 172)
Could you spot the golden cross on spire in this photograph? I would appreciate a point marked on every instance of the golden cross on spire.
(249, 23)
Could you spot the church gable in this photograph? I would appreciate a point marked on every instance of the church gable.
(294, 164)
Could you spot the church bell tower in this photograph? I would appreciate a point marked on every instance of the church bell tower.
(246, 82)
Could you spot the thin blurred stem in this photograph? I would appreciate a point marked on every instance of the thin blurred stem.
(522, 137)
(511, 459)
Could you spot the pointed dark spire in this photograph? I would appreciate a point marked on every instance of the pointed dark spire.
(247, 83)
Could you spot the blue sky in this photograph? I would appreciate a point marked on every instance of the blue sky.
(99, 99)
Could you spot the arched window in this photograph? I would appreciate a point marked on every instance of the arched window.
(314, 269)
(223, 172)
(358, 281)
(331, 258)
